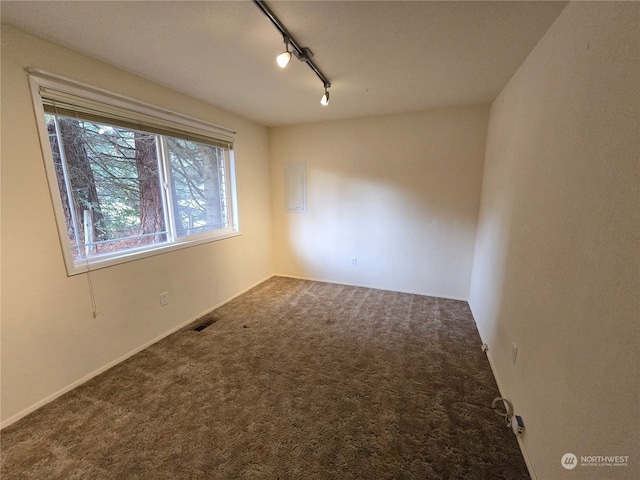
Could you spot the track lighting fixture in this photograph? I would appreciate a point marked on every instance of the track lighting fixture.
(324, 101)
(284, 58)
(301, 53)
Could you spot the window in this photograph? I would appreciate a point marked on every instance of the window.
(128, 180)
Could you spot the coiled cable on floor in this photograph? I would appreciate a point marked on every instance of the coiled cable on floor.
(506, 411)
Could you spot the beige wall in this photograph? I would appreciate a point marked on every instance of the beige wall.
(49, 338)
(398, 192)
(557, 257)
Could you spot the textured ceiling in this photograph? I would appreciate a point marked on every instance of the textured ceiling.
(381, 57)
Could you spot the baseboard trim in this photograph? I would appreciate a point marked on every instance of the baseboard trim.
(13, 419)
(411, 292)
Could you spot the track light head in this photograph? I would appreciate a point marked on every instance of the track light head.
(324, 101)
(285, 57)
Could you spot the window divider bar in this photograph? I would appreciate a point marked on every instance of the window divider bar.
(163, 154)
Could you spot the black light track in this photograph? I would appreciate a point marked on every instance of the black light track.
(302, 53)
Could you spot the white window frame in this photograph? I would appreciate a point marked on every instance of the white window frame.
(39, 80)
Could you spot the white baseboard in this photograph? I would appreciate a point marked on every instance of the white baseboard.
(11, 420)
(375, 287)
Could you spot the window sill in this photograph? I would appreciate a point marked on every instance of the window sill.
(75, 267)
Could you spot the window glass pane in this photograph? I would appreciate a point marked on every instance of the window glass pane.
(109, 182)
(130, 180)
(198, 187)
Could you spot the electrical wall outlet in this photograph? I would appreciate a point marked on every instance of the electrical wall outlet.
(518, 425)
(164, 298)
(354, 261)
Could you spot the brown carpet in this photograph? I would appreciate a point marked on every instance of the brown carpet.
(294, 380)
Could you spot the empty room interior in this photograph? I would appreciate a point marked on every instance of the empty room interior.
(455, 221)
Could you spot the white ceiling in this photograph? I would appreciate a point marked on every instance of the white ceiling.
(380, 56)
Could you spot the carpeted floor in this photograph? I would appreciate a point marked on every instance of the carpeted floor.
(294, 380)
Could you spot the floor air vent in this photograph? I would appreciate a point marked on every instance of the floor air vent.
(204, 325)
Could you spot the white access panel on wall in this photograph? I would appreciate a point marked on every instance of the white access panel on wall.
(295, 184)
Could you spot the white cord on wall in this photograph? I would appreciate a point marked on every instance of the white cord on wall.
(94, 305)
(506, 411)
